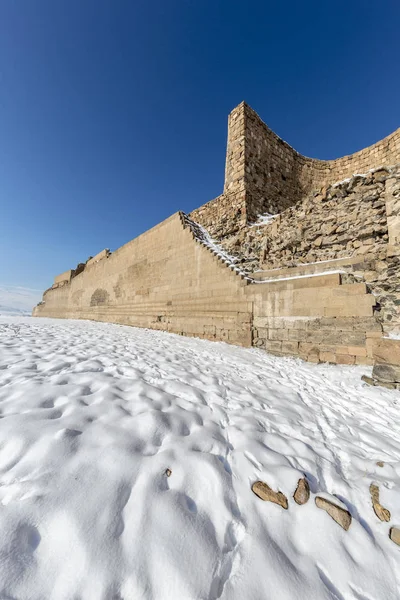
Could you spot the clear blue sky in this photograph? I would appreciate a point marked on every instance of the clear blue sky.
(113, 113)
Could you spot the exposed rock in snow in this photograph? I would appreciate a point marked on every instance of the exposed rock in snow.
(338, 514)
(302, 493)
(395, 535)
(387, 373)
(382, 513)
(263, 491)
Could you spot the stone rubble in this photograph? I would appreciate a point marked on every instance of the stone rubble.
(349, 218)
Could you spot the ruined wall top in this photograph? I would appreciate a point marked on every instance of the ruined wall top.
(264, 174)
(274, 176)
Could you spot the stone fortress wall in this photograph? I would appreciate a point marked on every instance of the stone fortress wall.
(278, 177)
(263, 174)
(318, 280)
(323, 210)
(170, 279)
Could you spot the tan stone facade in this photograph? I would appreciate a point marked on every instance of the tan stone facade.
(161, 280)
(168, 279)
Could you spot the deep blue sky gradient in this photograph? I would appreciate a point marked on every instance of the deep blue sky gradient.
(113, 112)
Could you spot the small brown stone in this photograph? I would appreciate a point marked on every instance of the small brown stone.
(394, 535)
(380, 463)
(263, 491)
(338, 514)
(368, 380)
(382, 513)
(302, 493)
(168, 472)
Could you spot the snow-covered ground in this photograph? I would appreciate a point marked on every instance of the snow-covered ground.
(93, 414)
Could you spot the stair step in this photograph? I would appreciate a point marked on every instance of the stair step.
(308, 268)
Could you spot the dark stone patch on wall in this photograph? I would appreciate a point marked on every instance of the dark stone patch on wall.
(99, 297)
(138, 269)
(117, 287)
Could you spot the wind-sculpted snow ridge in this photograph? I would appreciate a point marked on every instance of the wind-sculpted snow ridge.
(92, 417)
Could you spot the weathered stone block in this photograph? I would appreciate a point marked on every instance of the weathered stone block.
(387, 351)
(357, 350)
(345, 359)
(64, 277)
(364, 360)
(290, 347)
(278, 334)
(273, 346)
(298, 335)
(327, 357)
(387, 373)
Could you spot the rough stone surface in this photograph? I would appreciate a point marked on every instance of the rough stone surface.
(387, 373)
(387, 351)
(344, 220)
(263, 491)
(338, 514)
(265, 174)
(348, 219)
(394, 535)
(382, 513)
(302, 493)
(321, 210)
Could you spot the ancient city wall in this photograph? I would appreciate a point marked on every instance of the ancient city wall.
(319, 280)
(169, 279)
